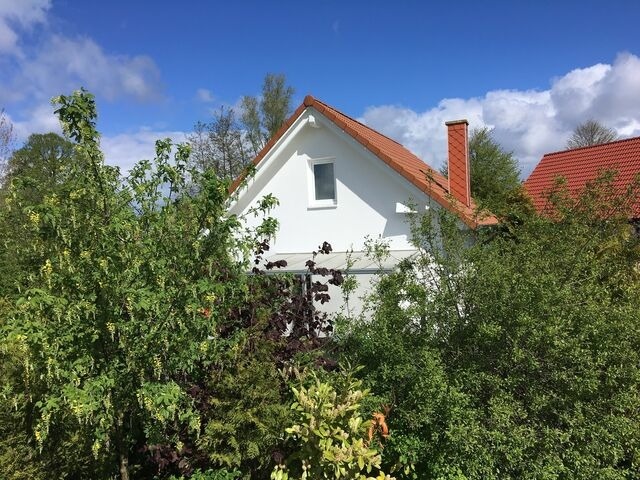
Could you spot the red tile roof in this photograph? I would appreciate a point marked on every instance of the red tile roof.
(582, 165)
(421, 175)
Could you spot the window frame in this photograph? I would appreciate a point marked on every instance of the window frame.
(311, 181)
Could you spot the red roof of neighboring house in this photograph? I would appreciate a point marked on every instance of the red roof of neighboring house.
(421, 175)
(582, 165)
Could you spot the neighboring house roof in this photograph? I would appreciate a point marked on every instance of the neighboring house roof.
(581, 165)
(421, 175)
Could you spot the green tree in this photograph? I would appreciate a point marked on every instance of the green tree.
(133, 341)
(495, 175)
(228, 143)
(591, 133)
(512, 356)
(34, 171)
(43, 159)
(127, 284)
(262, 117)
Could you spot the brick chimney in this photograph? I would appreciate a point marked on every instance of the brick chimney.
(458, 160)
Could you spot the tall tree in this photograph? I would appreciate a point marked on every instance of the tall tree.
(7, 137)
(43, 159)
(262, 117)
(122, 296)
(134, 343)
(494, 172)
(38, 169)
(251, 123)
(228, 143)
(220, 144)
(591, 133)
(275, 103)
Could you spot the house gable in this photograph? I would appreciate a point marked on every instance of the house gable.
(405, 163)
(376, 179)
(367, 190)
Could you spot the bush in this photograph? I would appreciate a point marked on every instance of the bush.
(512, 353)
(329, 435)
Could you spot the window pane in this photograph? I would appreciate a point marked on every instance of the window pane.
(325, 184)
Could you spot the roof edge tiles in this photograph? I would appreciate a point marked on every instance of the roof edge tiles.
(579, 166)
(390, 152)
(589, 147)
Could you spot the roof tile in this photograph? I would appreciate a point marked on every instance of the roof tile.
(421, 175)
(582, 165)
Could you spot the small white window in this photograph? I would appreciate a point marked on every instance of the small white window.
(322, 182)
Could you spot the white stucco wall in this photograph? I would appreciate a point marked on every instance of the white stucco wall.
(367, 191)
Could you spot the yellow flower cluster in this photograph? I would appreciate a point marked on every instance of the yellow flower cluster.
(111, 328)
(157, 366)
(34, 217)
(47, 268)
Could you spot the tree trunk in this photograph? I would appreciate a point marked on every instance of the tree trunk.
(121, 445)
(124, 466)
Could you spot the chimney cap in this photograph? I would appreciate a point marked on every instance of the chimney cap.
(456, 122)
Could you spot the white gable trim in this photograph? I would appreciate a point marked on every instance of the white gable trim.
(244, 196)
(315, 119)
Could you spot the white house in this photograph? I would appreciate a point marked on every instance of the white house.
(339, 181)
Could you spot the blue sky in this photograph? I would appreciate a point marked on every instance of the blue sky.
(531, 70)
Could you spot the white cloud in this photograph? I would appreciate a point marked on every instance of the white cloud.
(126, 149)
(204, 95)
(38, 63)
(38, 119)
(16, 15)
(63, 64)
(123, 150)
(527, 122)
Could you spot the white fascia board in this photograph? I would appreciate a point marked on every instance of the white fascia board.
(264, 163)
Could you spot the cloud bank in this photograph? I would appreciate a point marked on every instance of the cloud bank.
(127, 149)
(37, 64)
(527, 122)
(16, 16)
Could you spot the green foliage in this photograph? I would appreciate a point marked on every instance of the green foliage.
(329, 434)
(495, 175)
(126, 285)
(245, 411)
(134, 342)
(42, 160)
(262, 117)
(275, 102)
(512, 354)
(32, 172)
(211, 475)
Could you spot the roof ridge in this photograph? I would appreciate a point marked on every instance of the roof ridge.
(428, 180)
(620, 140)
(357, 121)
(310, 100)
